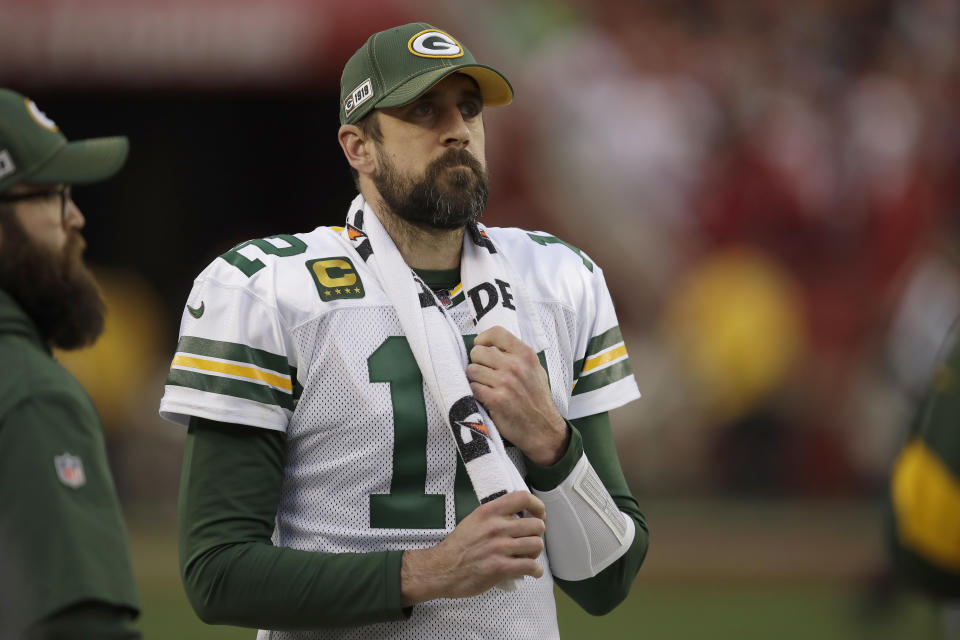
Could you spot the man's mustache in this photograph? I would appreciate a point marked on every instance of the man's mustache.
(73, 249)
(455, 158)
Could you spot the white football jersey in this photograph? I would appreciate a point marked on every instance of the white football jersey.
(295, 334)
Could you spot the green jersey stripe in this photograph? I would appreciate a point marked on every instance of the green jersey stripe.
(603, 341)
(597, 344)
(603, 377)
(234, 351)
(297, 387)
(229, 387)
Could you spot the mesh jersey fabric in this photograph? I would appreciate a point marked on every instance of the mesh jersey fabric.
(269, 349)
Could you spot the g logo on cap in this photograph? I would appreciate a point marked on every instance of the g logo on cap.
(434, 44)
(39, 116)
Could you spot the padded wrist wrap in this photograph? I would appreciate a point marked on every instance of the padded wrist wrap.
(586, 532)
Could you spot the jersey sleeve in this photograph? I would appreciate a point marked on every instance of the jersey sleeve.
(602, 376)
(233, 361)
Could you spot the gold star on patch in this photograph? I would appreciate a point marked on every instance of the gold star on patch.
(337, 291)
(327, 293)
(356, 289)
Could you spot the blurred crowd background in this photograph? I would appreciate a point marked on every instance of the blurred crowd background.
(770, 187)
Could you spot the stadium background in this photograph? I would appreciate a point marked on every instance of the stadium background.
(769, 186)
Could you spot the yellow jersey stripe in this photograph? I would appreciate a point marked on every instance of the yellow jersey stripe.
(926, 498)
(604, 358)
(457, 289)
(242, 371)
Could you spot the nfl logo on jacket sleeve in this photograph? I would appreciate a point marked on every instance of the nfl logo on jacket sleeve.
(70, 470)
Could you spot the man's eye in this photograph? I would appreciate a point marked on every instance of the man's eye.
(422, 109)
(470, 109)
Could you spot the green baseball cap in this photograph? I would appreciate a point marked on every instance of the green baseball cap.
(33, 151)
(396, 66)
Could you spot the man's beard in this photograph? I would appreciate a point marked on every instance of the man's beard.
(54, 288)
(435, 200)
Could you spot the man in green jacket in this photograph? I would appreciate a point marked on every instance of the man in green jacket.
(924, 530)
(65, 568)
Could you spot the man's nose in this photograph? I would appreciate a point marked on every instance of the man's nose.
(73, 217)
(456, 131)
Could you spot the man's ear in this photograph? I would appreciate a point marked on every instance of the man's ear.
(357, 149)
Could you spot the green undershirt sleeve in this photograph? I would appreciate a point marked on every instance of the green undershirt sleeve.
(592, 434)
(232, 573)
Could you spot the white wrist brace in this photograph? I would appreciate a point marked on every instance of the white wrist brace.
(586, 532)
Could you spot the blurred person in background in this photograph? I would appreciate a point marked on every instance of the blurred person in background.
(328, 394)
(817, 138)
(65, 569)
(925, 491)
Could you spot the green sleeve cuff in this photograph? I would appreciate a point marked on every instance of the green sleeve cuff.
(90, 619)
(547, 478)
(393, 564)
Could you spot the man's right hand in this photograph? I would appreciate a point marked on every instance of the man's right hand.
(486, 548)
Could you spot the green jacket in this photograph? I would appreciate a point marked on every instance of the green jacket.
(924, 526)
(65, 567)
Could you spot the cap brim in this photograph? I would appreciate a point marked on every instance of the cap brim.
(82, 162)
(494, 87)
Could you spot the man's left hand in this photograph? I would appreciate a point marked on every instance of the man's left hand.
(505, 375)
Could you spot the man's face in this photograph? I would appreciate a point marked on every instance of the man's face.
(431, 168)
(41, 267)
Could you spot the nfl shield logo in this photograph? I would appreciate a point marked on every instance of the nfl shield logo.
(70, 470)
(444, 297)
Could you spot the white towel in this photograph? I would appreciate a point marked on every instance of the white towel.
(437, 344)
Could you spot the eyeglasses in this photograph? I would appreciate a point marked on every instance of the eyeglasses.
(64, 192)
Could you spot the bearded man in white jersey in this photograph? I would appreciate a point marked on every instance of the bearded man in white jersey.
(398, 427)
